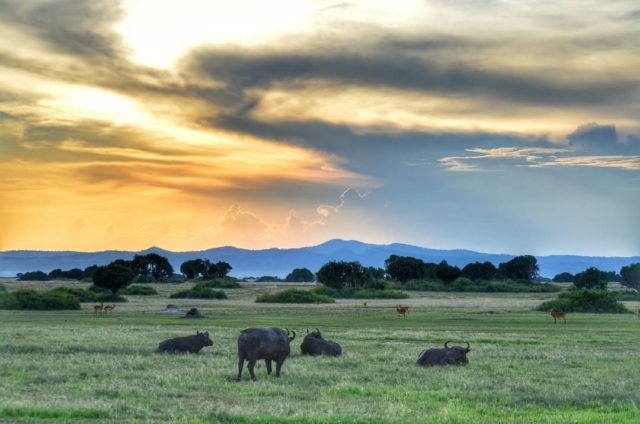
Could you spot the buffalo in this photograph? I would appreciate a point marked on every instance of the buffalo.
(454, 355)
(191, 344)
(313, 344)
(270, 344)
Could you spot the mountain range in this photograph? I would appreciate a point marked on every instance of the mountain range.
(279, 262)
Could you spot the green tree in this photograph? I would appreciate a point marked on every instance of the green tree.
(591, 278)
(631, 275)
(218, 270)
(340, 274)
(523, 267)
(88, 271)
(113, 276)
(446, 272)
(480, 271)
(152, 265)
(405, 268)
(195, 268)
(563, 277)
(33, 276)
(300, 275)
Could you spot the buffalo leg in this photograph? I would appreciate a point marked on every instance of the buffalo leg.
(250, 365)
(240, 364)
(279, 366)
(268, 362)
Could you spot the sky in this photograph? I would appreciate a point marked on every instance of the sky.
(497, 126)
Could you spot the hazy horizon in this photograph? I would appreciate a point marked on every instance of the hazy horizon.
(493, 126)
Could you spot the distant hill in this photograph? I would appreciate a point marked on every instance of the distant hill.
(279, 262)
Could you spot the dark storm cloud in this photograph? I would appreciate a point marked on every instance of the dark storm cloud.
(382, 65)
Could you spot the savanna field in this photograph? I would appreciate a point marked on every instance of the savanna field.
(76, 366)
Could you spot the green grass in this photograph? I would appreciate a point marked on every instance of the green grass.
(75, 366)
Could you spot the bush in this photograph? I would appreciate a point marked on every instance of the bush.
(295, 296)
(41, 301)
(463, 284)
(268, 279)
(98, 290)
(221, 283)
(589, 300)
(199, 291)
(136, 290)
(323, 290)
(2, 288)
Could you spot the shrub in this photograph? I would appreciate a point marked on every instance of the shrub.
(98, 290)
(137, 290)
(589, 300)
(295, 296)
(2, 288)
(32, 300)
(113, 276)
(221, 283)
(199, 291)
(268, 279)
(83, 295)
(323, 290)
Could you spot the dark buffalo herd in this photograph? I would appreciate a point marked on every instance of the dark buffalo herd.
(273, 345)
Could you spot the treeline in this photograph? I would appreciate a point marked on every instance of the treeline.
(593, 278)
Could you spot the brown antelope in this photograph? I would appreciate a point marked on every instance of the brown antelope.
(402, 310)
(109, 308)
(557, 315)
(364, 304)
(98, 308)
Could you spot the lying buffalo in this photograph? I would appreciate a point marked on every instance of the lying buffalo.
(191, 344)
(454, 355)
(313, 344)
(270, 344)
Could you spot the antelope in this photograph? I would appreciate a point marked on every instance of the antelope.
(557, 315)
(109, 308)
(98, 308)
(364, 304)
(402, 310)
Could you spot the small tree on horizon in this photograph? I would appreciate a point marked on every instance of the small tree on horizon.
(630, 275)
(113, 277)
(300, 275)
(591, 278)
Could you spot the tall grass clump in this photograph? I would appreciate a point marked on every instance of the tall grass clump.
(2, 288)
(199, 291)
(295, 296)
(221, 283)
(137, 290)
(41, 301)
(590, 300)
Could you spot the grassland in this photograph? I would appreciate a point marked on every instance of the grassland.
(78, 367)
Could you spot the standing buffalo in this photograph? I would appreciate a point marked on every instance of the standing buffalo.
(454, 355)
(270, 344)
(191, 344)
(313, 344)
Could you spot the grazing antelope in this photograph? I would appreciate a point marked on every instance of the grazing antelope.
(109, 308)
(557, 315)
(402, 310)
(98, 308)
(364, 304)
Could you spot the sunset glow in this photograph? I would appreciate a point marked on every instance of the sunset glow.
(498, 126)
